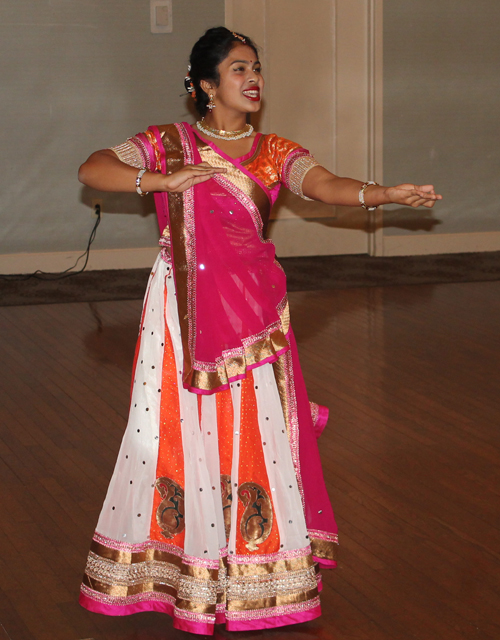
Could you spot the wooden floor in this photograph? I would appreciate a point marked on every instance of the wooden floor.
(411, 458)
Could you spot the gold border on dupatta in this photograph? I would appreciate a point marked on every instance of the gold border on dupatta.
(324, 549)
(237, 366)
(174, 159)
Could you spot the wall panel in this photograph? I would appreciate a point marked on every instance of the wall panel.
(441, 123)
(317, 70)
(76, 76)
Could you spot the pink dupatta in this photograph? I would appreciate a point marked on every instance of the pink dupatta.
(235, 289)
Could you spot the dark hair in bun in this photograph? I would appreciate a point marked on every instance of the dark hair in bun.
(207, 54)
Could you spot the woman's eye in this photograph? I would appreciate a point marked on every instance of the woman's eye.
(258, 70)
(239, 69)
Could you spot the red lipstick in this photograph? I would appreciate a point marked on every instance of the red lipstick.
(252, 94)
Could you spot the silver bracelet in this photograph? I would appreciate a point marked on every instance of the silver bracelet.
(362, 194)
(138, 182)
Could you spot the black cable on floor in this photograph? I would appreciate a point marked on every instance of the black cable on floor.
(67, 273)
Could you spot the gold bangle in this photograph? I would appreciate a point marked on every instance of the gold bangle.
(364, 187)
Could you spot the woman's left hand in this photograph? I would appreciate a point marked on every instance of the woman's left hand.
(411, 195)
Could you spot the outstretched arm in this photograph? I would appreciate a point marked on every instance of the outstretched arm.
(106, 172)
(320, 184)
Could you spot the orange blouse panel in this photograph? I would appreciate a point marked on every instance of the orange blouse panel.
(268, 162)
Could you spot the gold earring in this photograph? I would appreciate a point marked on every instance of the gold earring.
(211, 105)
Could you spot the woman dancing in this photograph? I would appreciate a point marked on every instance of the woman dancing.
(217, 510)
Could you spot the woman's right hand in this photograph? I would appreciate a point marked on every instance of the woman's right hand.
(188, 176)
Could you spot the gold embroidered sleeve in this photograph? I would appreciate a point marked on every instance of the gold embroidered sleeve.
(129, 154)
(297, 170)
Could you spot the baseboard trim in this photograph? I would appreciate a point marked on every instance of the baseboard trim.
(60, 261)
(441, 243)
(101, 259)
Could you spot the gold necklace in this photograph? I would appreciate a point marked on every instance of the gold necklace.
(221, 134)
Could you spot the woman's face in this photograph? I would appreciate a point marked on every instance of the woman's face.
(241, 82)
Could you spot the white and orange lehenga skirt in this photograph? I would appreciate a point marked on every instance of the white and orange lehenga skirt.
(204, 516)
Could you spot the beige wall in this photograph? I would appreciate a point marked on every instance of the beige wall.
(79, 75)
(318, 93)
(393, 91)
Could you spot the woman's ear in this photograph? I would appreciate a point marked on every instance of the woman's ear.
(206, 86)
